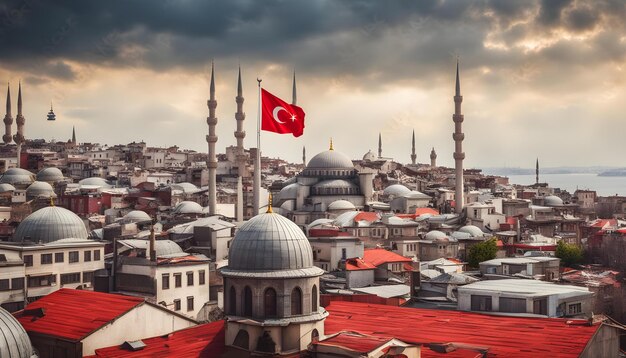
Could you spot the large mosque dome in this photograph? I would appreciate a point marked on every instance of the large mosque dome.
(14, 339)
(40, 189)
(270, 242)
(50, 224)
(51, 174)
(553, 200)
(17, 176)
(330, 163)
(396, 190)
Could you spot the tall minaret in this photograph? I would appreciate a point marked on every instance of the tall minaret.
(458, 143)
(8, 119)
(380, 146)
(537, 172)
(433, 158)
(294, 97)
(74, 135)
(211, 138)
(304, 156)
(240, 134)
(20, 120)
(413, 155)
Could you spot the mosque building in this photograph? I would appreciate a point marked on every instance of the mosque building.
(329, 176)
(271, 288)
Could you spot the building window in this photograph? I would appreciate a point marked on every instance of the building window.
(344, 254)
(574, 309)
(296, 301)
(315, 336)
(201, 277)
(46, 259)
(59, 257)
(481, 303)
(189, 278)
(73, 256)
(88, 277)
(178, 280)
(270, 302)
(165, 281)
(96, 255)
(190, 303)
(540, 306)
(512, 305)
(41, 281)
(176, 305)
(17, 283)
(247, 301)
(232, 301)
(87, 256)
(4, 285)
(68, 278)
(28, 260)
(314, 299)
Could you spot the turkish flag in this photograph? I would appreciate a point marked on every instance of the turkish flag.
(280, 117)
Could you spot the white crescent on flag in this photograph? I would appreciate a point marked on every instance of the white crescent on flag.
(275, 113)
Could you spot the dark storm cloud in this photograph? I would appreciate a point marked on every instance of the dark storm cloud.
(327, 38)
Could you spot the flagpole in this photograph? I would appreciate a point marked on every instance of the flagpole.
(257, 162)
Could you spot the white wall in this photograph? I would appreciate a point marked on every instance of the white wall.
(199, 292)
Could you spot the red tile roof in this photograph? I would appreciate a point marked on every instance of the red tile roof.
(378, 257)
(367, 216)
(74, 314)
(205, 340)
(505, 336)
(422, 211)
(358, 264)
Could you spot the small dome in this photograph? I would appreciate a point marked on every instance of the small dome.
(50, 224)
(17, 176)
(335, 184)
(14, 339)
(473, 231)
(289, 192)
(6, 187)
(96, 181)
(185, 187)
(51, 174)
(435, 235)
(188, 207)
(270, 242)
(369, 156)
(137, 216)
(396, 190)
(552, 200)
(40, 189)
(341, 205)
(330, 159)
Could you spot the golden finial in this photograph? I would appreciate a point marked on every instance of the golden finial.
(269, 204)
(331, 143)
(51, 201)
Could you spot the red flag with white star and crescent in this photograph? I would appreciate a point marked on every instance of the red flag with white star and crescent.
(280, 117)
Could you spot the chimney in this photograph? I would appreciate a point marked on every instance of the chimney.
(152, 244)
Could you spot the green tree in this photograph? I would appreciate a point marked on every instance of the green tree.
(569, 254)
(482, 251)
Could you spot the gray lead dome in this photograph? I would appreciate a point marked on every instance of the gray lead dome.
(270, 242)
(14, 342)
(50, 224)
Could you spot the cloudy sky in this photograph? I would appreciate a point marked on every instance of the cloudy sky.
(539, 78)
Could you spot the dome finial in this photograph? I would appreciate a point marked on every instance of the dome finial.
(51, 201)
(331, 144)
(269, 204)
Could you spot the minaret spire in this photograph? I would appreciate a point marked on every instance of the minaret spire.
(74, 135)
(380, 146)
(18, 138)
(413, 155)
(211, 138)
(304, 156)
(433, 158)
(537, 172)
(8, 119)
(294, 97)
(240, 134)
(458, 137)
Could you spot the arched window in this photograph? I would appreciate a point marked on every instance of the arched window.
(247, 301)
(232, 301)
(242, 340)
(296, 301)
(270, 302)
(314, 299)
(315, 336)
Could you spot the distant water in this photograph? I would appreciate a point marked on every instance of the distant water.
(604, 186)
